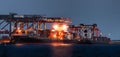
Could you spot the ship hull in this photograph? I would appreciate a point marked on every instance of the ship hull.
(26, 39)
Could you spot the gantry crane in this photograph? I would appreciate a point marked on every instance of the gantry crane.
(34, 22)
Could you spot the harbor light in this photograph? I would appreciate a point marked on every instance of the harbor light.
(56, 27)
(60, 27)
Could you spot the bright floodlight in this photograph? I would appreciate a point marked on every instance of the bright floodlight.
(60, 27)
(55, 27)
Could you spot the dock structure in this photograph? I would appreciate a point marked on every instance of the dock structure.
(34, 28)
(15, 21)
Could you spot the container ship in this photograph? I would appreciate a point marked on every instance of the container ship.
(42, 29)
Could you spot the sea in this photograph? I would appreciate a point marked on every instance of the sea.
(59, 50)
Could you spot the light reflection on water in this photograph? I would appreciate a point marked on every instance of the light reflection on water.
(51, 44)
(19, 44)
(56, 49)
(61, 50)
(60, 44)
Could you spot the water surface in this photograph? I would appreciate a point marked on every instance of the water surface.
(60, 50)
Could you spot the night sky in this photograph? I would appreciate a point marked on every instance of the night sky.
(105, 13)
